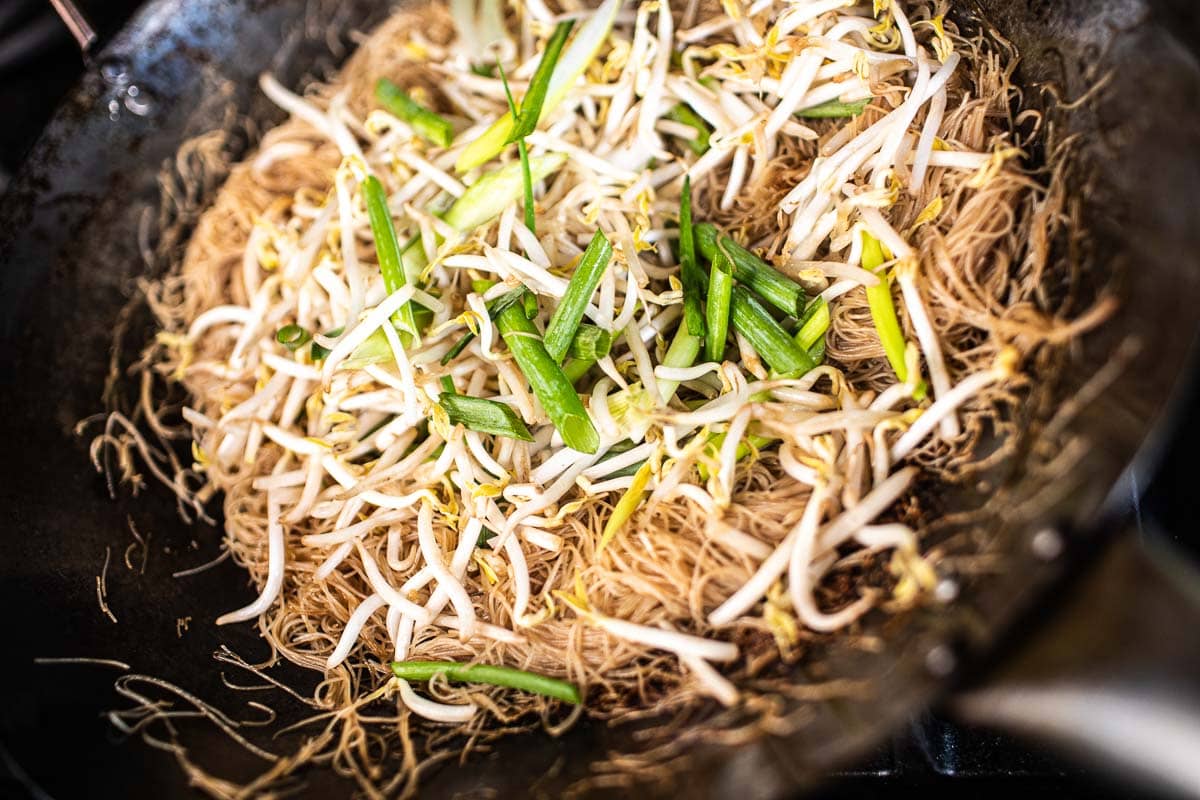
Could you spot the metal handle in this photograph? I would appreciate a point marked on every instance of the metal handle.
(1114, 675)
(77, 24)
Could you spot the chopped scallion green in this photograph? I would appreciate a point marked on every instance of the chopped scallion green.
(690, 274)
(766, 335)
(834, 109)
(883, 310)
(387, 248)
(684, 115)
(590, 343)
(767, 282)
(539, 84)
(720, 286)
(293, 337)
(551, 387)
(483, 415)
(813, 323)
(487, 673)
(579, 291)
(428, 124)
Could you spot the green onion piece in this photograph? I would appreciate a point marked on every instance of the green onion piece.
(448, 384)
(834, 109)
(683, 114)
(484, 70)
(487, 197)
(539, 84)
(576, 368)
(767, 282)
(681, 353)
(709, 82)
(523, 154)
(426, 123)
(529, 304)
(487, 673)
(689, 271)
(590, 343)
(375, 349)
(817, 353)
(318, 352)
(579, 291)
(387, 248)
(813, 324)
(575, 58)
(483, 415)
(293, 337)
(625, 507)
(766, 335)
(485, 535)
(883, 311)
(550, 386)
(720, 285)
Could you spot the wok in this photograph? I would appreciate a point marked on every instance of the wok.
(1072, 610)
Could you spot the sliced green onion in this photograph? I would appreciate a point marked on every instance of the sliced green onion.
(883, 310)
(579, 291)
(487, 673)
(590, 343)
(448, 384)
(485, 535)
(375, 349)
(813, 324)
(751, 443)
(625, 507)
(487, 197)
(834, 109)
(682, 353)
(767, 282)
(690, 274)
(720, 285)
(550, 386)
(529, 304)
(539, 84)
(817, 352)
(483, 415)
(387, 249)
(575, 58)
(523, 154)
(293, 337)
(576, 368)
(318, 352)
(428, 124)
(766, 335)
(684, 115)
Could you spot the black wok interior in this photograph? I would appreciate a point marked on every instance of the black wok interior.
(70, 228)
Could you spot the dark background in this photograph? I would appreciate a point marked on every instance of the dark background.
(40, 62)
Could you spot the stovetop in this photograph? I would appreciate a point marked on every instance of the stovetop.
(38, 65)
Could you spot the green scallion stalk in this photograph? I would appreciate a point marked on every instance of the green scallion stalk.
(523, 157)
(550, 386)
(575, 58)
(447, 382)
(485, 536)
(813, 324)
(576, 368)
(835, 109)
(579, 291)
(487, 673)
(690, 274)
(883, 310)
(682, 352)
(751, 443)
(387, 249)
(487, 197)
(483, 415)
(293, 337)
(539, 84)
(767, 282)
(720, 286)
(428, 124)
(766, 335)
(684, 115)
(318, 352)
(590, 343)
(817, 352)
